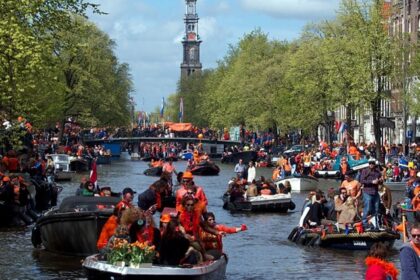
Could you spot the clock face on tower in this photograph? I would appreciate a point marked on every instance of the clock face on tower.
(191, 36)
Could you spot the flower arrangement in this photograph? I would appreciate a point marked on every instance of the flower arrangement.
(141, 252)
(119, 253)
(136, 253)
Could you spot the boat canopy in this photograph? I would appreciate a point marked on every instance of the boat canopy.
(180, 127)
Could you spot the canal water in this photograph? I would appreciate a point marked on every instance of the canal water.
(261, 252)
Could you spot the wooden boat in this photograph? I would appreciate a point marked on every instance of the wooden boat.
(302, 183)
(261, 203)
(210, 270)
(341, 240)
(153, 171)
(205, 168)
(246, 157)
(74, 227)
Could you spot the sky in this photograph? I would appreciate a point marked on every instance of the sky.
(148, 34)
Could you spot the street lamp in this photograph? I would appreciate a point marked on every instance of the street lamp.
(330, 123)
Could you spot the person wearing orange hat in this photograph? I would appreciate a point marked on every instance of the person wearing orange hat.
(187, 179)
(164, 220)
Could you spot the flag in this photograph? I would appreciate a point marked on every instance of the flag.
(94, 174)
(343, 127)
(181, 109)
(162, 107)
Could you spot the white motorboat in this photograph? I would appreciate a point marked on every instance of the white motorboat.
(209, 270)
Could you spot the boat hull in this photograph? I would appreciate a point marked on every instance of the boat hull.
(96, 269)
(206, 169)
(63, 176)
(79, 165)
(299, 184)
(351, 241)
(263, 203)
(73, 231)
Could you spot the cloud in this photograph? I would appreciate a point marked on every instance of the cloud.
(293, 9)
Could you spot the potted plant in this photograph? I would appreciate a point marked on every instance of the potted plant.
(119, 253)
(141, 254)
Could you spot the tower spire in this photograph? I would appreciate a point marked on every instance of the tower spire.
(191, 41)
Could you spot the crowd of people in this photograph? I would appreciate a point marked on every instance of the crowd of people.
(187, 234)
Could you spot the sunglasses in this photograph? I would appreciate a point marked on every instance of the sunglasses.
(415, 235)
(189, 205)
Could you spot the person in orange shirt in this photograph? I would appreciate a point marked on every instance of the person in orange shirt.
(416, 202)
(213, 242)
(127, 199)
(187, 179)
(109, 228)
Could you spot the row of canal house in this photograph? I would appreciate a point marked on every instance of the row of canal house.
(404, 18)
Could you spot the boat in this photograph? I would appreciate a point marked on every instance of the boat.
(153, 171)
(205, 168)
(301, 183)
(261, 203)
(341, 240)
(209, 270)
(335, 173)
(74, 227)
(246, 157)
(79, 164)
(62, 170)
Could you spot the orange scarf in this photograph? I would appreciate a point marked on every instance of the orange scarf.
(389, 268)
(415, 248)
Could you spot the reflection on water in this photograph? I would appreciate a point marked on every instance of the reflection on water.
(262, 252)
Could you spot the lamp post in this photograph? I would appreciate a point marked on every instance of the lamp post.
(330, 122)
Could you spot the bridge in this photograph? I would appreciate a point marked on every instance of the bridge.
(132, 140)
(212, 147)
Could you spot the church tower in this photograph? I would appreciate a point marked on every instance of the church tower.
(191, 41)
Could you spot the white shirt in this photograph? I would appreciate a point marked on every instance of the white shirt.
(251, 174)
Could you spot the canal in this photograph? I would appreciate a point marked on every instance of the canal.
(261, 252)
